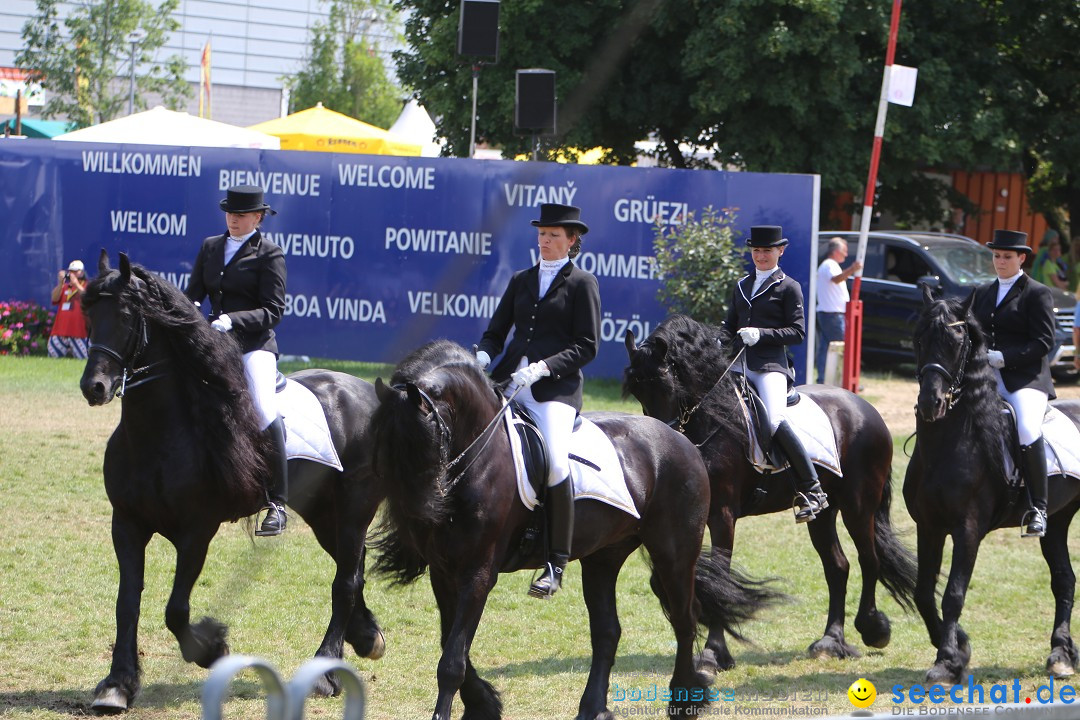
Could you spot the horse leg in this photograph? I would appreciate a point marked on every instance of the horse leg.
(117, 692)
(931, 543)
(599, 573)
(835, 564)
(954, 651)
(461, 604)
(872, 624)
(716, 655)
(1055, 548)
(205, 641)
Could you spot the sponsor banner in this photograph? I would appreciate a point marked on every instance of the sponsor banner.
(384, 253)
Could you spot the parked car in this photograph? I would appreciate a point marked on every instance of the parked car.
(897, 261)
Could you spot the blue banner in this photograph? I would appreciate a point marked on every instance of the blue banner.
(383, 253)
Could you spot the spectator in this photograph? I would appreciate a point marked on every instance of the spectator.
(1050, 268)
(832, 300)
(68, 334)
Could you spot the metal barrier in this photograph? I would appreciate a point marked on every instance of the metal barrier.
(284, 701)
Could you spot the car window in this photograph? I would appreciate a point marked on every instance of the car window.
(874, 262)
(904, 265)
(967, 265)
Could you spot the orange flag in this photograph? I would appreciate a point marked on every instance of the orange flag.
(204, 83)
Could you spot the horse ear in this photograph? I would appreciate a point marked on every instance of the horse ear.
(631, 346)
(103, 262)
(927, 295)
(381, 391)
(125, 268)
(416, 397)
(661, 347)
(965, 307)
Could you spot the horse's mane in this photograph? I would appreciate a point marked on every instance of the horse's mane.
(210, 367)
(411, 458)
(980, 404)
(696, 361)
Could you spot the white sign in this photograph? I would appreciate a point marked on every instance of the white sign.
(902, 85)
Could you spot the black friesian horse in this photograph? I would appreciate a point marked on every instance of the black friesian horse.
(454, 508)
(956, 485)
(187, 456)
(677, 375)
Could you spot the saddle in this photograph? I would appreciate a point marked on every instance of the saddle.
(759, 417)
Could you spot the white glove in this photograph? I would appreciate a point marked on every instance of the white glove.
(482, 359)
(529, 374)
(749, 335)
(997, 360)
(223, 323)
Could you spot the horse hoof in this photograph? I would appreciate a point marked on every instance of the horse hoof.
(828, 648)
(326, 686)
(378, 647)
(1060, 669)
(939, 675)
(109, 701)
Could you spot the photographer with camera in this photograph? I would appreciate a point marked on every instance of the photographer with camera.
(68, 334)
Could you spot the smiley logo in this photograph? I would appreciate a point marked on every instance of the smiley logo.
(862, 693)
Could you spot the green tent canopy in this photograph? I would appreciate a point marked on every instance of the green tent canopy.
(32, 127)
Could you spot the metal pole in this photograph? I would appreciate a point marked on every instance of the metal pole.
(853, 315)
(472, 131)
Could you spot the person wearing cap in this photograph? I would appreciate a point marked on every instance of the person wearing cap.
(1016, 315)
(243, 274)
(554, 310)
(765, 316)
(68, 333)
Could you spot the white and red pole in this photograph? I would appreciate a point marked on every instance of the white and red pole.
(853, 330)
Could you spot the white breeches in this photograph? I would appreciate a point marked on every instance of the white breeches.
(1030, 406)
(772, 388)
(260, 371)
(556, 422)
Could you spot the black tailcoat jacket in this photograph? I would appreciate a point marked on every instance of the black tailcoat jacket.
(1022, 329)
(776, 310)
(562, 329)
(250, 289)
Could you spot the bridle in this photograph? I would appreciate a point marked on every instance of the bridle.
(955, 379)
(131, 377)
(680, 422)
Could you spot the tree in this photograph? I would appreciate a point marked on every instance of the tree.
(343, 70)
(81, 61)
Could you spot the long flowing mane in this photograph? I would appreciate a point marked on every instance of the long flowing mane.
(980, 404)
(209, 366)
(411, 455)
(689, 349)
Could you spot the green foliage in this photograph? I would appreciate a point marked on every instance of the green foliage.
(24, 328)
(80, 62)
(343, 70)
(699, 264)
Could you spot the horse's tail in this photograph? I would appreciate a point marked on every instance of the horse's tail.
(898, 565)
(726, 598)
(395, 557)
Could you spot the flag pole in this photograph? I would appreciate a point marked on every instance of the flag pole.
(854, 312)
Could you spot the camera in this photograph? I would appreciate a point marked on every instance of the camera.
(67, 275)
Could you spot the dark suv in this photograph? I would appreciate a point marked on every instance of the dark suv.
(897, 261)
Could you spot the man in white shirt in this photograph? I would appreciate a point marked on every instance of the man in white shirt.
(832, 300)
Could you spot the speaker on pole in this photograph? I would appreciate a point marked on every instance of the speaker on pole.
(534, 102)
(478, 29)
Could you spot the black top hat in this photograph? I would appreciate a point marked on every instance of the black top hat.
(245, 198)
(555, 215)
(1009, 240)
(763, 236)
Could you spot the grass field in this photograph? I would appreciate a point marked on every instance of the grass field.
(58, 581)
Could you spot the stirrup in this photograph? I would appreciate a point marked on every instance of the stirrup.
(1031, 517)
(548, 583)
(808, 506)
(266, 529)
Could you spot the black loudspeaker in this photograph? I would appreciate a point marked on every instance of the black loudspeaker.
(534, 101)
(478, 29)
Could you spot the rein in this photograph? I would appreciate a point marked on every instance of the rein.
(684, 416)
(131, 377)
(955, 390)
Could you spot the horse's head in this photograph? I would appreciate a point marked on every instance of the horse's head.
(649, 378)
(945, 336)
(117, 328)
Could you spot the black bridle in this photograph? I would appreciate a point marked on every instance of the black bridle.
(137, 342)
(955, 379)
(683, 419)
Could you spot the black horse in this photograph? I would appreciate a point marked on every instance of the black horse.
(187, 456)
(677, 374)
(453, 507)
(956, 484)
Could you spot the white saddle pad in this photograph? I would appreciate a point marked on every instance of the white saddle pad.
(813, 428)
(606, 484)
(307, 436)
(1062, 441)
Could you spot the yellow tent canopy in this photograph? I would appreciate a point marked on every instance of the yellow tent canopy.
(323, 130)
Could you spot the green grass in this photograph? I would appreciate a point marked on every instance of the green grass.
(58, 581)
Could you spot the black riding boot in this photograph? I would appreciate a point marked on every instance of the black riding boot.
(809, 497)
(560, 522)
(278, 492)
(1033, 465)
